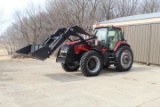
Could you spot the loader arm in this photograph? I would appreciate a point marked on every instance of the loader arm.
(44, 50)
(51, 38)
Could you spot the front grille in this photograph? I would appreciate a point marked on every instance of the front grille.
(63, 51)
(62, 54)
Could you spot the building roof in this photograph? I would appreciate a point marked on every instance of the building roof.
(131, 18)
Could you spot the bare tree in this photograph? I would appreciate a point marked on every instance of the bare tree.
(150, 6)
(7, 44)
(126, 7)
(34, 24)
(107, 9)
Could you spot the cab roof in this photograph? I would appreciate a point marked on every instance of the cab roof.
(106, 26)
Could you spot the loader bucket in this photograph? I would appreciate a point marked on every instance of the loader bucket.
(40, 52)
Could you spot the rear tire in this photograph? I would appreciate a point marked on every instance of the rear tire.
(70, 67)
(124, 58)
(91, 63)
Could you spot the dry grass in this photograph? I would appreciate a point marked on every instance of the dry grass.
(4, 57)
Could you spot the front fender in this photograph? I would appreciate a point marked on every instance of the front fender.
(80, 48)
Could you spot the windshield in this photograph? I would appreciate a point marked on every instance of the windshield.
(101, 35)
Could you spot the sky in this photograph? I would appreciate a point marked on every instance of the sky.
(9, 7)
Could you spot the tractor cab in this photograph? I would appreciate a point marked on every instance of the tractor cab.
(108, 37)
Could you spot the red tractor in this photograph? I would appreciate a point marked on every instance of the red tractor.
(105, 47)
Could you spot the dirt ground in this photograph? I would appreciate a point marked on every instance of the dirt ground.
(32, 83)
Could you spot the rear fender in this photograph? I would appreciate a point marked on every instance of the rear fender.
(120, 43)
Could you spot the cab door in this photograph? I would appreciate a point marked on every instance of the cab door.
(114, 35)
(101, 34)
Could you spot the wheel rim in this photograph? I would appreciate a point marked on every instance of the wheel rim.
(93, 64)
(126, 59)
(72, 65)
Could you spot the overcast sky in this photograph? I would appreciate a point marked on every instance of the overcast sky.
(8, 8)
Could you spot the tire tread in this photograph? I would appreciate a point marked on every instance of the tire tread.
(118, 57)
(84, 60)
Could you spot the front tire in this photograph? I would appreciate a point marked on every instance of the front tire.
(70, 66)
(124, 58)
(91, 63)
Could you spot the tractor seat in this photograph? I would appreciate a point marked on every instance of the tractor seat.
(110, 39)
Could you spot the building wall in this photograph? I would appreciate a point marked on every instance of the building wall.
(145, 42)
(155, 44)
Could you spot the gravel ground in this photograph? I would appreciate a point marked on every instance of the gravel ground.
(32, 83)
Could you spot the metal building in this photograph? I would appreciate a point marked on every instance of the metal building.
(143, 33)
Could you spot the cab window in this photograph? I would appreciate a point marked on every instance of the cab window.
(101, 35)
(113, 37)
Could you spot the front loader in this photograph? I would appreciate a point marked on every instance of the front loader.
(105, 47)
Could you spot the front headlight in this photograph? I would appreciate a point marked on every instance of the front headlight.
(63, 51)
